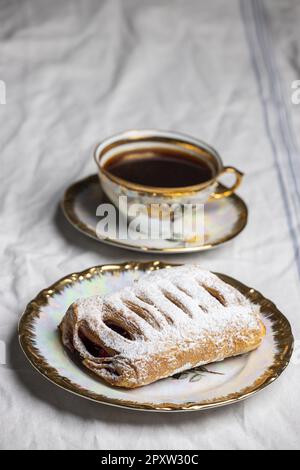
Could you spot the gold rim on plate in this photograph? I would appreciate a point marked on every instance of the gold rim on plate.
(280, 325)
(68, 208)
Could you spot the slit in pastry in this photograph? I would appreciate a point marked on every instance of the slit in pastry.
(216, 294)
(172, 298)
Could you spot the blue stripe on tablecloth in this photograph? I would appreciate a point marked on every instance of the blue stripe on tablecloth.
(284, 123)
(255, 49)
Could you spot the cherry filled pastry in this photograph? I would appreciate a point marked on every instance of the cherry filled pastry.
(169, 321)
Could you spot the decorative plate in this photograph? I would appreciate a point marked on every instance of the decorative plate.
(201, 388)
(224, 220)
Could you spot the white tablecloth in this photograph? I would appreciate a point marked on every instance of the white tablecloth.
(78, 71)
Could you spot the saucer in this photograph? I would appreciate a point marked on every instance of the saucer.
(218, 384)
(224, 220)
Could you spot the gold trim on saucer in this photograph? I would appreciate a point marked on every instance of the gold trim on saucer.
(68, 207)
(281, 328)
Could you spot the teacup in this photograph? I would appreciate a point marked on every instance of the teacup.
(140, 146)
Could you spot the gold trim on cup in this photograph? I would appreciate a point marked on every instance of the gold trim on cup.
(229, 191)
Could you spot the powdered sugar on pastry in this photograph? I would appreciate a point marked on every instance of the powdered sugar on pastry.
(169, 320)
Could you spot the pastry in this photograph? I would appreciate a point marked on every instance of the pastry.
(169, 321)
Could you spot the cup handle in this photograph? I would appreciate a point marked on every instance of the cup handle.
(229, 191)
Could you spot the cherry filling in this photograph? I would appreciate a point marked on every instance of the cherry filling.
(91, 347)
(94, 349)
(118, 329)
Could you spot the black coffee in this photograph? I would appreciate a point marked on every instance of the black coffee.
(160, 168)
